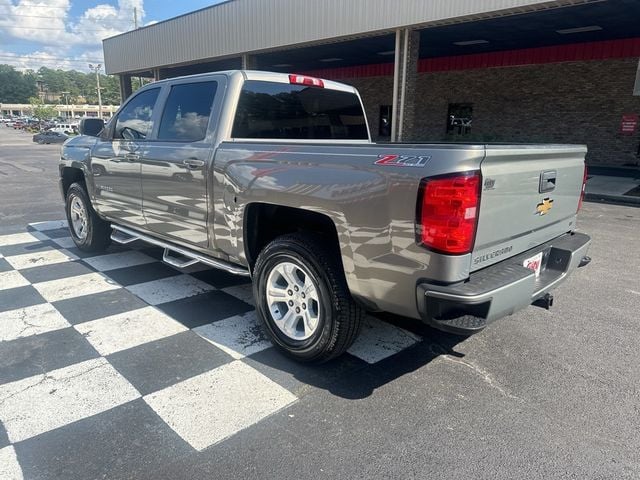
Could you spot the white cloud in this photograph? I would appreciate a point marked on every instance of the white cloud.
(59, 40)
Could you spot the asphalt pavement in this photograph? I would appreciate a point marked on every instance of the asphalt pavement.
(117, 366)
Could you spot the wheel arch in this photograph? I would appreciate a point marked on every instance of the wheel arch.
(69, 176)
(263, 222)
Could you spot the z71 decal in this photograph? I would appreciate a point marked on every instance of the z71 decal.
(402, 160)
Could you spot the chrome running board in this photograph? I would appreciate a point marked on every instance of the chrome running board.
(124, 235)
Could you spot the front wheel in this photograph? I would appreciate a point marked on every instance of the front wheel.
(303, 300)
(89, 232)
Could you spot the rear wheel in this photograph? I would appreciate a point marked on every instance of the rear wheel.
(89, 232)
(303, 300)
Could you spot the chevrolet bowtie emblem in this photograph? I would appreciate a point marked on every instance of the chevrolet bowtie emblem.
(543, 207)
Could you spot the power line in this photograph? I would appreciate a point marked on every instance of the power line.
(54, 61)
(53, 28)
(40, 5)
(44, 56)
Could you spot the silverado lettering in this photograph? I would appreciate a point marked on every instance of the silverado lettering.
(489, 256)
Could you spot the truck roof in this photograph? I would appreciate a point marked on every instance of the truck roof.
(264, 76)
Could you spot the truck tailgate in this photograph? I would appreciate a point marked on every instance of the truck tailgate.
(530, 195)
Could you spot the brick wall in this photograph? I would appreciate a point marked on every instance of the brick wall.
(572, 102)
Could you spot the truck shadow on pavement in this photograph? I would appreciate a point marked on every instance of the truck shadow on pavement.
(349, 377)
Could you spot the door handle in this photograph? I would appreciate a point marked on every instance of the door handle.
(547, 181)
(191, 163)
(132, 157)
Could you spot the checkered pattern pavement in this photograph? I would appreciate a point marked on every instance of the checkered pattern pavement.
(121, 344)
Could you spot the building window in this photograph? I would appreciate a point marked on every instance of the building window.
(384, 127)
(459, 118)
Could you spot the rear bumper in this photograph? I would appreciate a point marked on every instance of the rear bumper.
(500, 289)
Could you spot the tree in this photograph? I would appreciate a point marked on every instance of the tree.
(16, 87)
(40, 110)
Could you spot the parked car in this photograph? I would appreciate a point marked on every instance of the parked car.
(66, 128)
(49, 137)
(285, 186)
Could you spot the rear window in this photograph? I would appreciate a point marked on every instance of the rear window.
(284, 111)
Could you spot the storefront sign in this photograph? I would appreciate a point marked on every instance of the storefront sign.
(629, 124)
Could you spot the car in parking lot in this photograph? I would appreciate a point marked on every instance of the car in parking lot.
(66, 128)
(49, 136)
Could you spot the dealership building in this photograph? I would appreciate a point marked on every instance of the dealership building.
(428, 70)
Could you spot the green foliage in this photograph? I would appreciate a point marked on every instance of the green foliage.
(16, 87)
(40, 110)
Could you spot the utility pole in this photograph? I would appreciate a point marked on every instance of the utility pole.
(66, 101)
(97, 69)
(135, 24)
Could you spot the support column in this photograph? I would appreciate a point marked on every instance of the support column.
(396, 82)
(125, 87)
(405, 76)
(410, 58)
(249, 62)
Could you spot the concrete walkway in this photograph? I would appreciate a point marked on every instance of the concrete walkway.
(613, 184)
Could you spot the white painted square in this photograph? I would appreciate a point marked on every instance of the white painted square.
(242, 292)
(129, 329)
(34, 320)
(212, 406)
(38, 404)
(17, 239)
(64, 242)
(37, 259)
(112, 261)
(9, 466)
(77, 286)
(169, 289)
(50, 225)
(239, 336)
(379, 340)
(12, 279)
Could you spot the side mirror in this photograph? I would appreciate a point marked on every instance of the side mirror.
(91, 126)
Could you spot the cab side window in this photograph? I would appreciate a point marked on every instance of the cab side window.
(186, 114)
(134, 121)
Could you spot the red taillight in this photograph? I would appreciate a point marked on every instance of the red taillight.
(584, 186)
(448, 212)
(304, 80)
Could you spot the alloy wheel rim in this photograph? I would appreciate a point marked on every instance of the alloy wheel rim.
(78, 217)
(293, 300)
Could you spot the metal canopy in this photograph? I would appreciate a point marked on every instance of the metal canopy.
(237, 27)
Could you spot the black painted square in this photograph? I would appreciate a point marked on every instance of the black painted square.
(19, 297)
(141, 273)
(55, 271)
(219, 278)
(28, 356)
(98, 305)
(165, 362)
(119, 443)
(204, 308)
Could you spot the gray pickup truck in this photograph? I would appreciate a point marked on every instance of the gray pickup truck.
(274, 176)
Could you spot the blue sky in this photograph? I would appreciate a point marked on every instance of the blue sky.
(67, 33)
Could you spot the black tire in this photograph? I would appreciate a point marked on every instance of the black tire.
(340, 318)
(97, 236)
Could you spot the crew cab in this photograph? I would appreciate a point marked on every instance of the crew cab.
(274, 176)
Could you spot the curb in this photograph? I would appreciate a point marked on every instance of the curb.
(617, 199)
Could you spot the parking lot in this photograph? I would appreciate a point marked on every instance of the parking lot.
(119, 366)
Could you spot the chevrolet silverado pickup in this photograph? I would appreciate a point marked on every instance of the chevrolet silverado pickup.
(274, 176)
